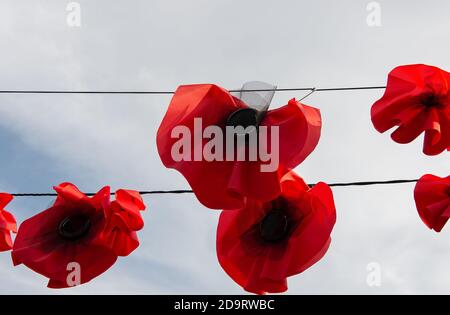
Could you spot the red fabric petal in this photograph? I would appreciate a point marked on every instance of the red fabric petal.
(432, 196)
(403, 105)
(130, 205)
(313, 236)
(122, 241)
(5, 199)
(7, 223)
(6, 242)
(123, 220)
(300, 127)
(93, 261)
(229, 182)
(68, 193)
(262, 267)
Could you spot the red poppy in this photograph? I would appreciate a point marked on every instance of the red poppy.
(417, 99)
(432, 196)
(91, 232)
(224, 184)
(263, 243)
(7, 223)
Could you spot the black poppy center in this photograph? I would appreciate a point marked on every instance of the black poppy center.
(244, 117)
(430, 101)
(74, 227)
(274, 226)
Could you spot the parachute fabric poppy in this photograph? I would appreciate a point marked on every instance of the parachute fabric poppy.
(224, 183)
(417, 99)
(76, 230)
(264, 243)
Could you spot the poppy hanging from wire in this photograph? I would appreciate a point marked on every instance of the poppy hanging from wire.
(417, 99)
(263, 243)
(222, 180)
(432, 196)
(7, 223)
(89, 232)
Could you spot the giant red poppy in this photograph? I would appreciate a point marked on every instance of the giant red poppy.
(417, 99)
(7, 223)
(263, 243)
(432, 196)
(224, 184)
(90, 232)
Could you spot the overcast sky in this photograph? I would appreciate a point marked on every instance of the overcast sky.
(97, 140)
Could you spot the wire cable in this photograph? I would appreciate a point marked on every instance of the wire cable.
(185, 191)
(311, 89)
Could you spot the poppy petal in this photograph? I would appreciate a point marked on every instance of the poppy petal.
(7, 223)
(299, 131)
(432, 198)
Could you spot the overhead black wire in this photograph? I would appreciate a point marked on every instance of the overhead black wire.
(350, 88)
(186, 191)
(312, 89)
(370, 183)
